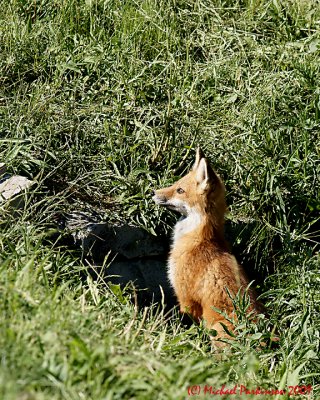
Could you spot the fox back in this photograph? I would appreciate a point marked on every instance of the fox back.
(200, 265)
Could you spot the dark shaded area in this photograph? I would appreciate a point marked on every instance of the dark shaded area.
(122, 255)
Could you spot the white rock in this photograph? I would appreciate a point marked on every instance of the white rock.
(12, 186)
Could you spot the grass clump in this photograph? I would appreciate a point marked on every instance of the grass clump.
(102, 101)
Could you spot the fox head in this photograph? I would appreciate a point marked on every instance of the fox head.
(200, 191)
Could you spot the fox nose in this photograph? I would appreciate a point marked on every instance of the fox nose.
(153, 192)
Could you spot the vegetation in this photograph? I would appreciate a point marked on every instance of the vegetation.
(102, 100)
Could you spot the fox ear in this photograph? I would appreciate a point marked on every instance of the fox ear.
(205, 174)
(202, 173)
(199, 156)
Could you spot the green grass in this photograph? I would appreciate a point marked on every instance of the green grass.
(100, 101)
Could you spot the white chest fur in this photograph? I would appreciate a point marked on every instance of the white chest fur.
(171, 267)
(183, 226)
(186, 225)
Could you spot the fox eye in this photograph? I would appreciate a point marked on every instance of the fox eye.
(180, 190)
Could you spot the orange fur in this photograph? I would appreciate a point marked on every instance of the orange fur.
(200, 264)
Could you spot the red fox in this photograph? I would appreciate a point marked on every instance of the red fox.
(200, 265)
